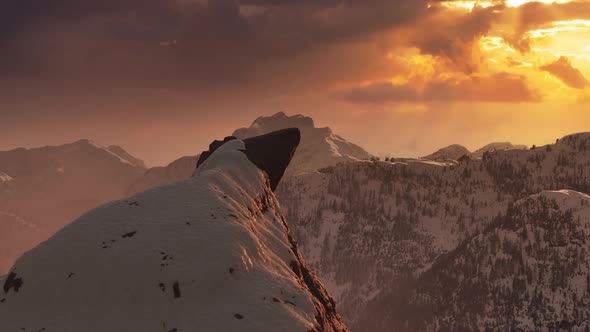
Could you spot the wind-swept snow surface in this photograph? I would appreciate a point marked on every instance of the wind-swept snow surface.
(211, 253)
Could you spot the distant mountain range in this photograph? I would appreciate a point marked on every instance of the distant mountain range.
(407, 246)
(45, 188)
(457, 241)
(319, 148)
(456, 151)
(42, 189)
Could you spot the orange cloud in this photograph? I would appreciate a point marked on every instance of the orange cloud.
(562, 69)
(499, 87)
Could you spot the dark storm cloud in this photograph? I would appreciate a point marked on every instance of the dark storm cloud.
(454, 35)
(500, 87)
(562, 69)
(180, 40)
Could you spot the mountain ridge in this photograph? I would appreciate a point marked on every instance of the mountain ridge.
(350, 216)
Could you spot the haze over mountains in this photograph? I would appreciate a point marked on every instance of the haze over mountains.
(42, 189)
(445, 243)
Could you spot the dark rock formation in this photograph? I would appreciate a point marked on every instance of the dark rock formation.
(271, 152)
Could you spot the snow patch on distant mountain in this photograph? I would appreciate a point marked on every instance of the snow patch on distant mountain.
(5, 177)
(456, 151)
(499, 146)
(125, 156)
(452, 152)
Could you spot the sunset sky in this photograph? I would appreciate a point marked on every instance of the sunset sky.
(163, 78)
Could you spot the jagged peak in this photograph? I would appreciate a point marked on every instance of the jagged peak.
(282, 119)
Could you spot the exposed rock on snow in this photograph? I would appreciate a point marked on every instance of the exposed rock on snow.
(211, 253)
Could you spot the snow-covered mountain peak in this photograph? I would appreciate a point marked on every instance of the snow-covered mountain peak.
(212, 253)
(87, 145)
(319, 147)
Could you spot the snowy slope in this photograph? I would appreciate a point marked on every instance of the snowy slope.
(125, 156)
(319, 147)
(211, 253)
(527, 272)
